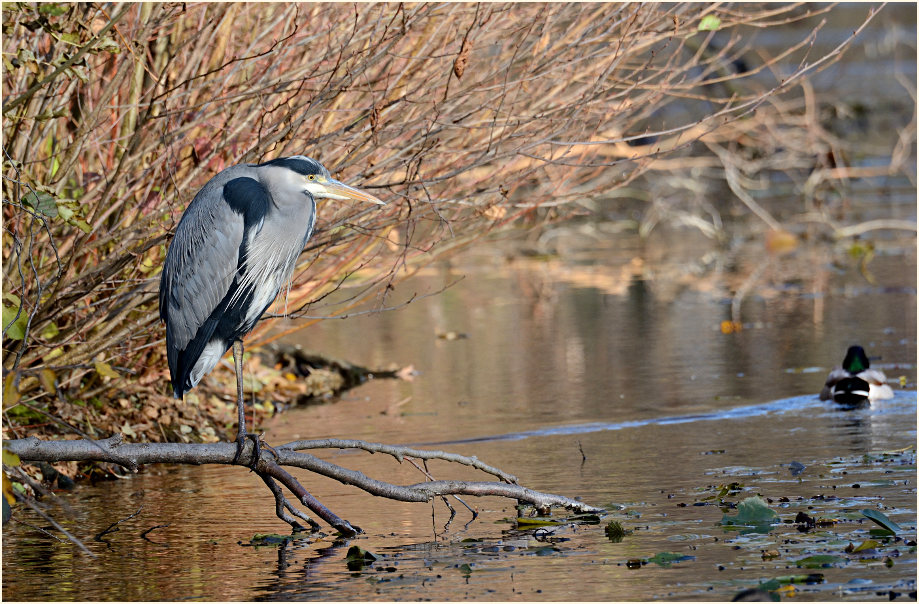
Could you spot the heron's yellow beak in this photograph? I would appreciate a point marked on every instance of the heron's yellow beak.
(332, 189)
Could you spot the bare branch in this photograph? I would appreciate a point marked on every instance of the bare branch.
(133, 455)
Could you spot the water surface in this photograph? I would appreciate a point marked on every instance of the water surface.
(586, 352)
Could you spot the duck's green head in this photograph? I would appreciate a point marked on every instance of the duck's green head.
(856, 360)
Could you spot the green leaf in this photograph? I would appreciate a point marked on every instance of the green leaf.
(42, 202)
(269, 539)
(525, 523)
(752, 511)
(26, 56)
(105, 370)
(665, 559)
(82, 225)
(69, 37)
(50, 331)
(820, 561)
(10, 459)
(108, 45)
(883, 520)
(52, 9)
(15, 327)
(865, 545)
(357, 558)
(789, 579)
(615, 531)
(11, 394)
(709, 23)
(80, 72)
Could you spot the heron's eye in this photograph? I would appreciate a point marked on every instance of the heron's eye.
(311, 177)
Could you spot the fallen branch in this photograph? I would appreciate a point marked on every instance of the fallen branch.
(268, 466)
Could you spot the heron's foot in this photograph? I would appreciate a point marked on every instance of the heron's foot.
(257, 453)
(240, 446)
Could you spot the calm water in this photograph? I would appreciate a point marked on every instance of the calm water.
(583, 339)
(595, 351)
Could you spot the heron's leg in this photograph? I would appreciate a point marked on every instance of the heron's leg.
(240, 408)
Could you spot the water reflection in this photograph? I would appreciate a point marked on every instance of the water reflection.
(602, 373)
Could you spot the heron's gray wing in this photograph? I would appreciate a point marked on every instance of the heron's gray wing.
(200, 265)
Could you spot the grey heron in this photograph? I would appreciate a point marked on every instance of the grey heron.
(235, 247)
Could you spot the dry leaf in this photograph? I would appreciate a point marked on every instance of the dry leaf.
(459, 65)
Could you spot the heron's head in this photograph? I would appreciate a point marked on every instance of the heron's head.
(304, 175)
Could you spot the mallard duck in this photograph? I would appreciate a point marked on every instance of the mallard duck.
(854, 383)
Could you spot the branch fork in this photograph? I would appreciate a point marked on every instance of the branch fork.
(269, 467)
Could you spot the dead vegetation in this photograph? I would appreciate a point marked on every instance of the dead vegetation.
(466, 118)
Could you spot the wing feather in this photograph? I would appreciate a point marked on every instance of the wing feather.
(201, 263)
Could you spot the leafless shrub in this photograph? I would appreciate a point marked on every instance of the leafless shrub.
(467, 118)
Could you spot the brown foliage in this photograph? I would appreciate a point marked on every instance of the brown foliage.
(464, 117)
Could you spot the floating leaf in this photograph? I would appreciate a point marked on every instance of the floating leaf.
(615, 532)
(524, 523)
(752, 511)
(709, 23)
(728, 327)
(269, 539)
(867, 544)
(547, 550)
(357, 558)
(883, 520)
(820, 561)
(808, 578)
(665, 559)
